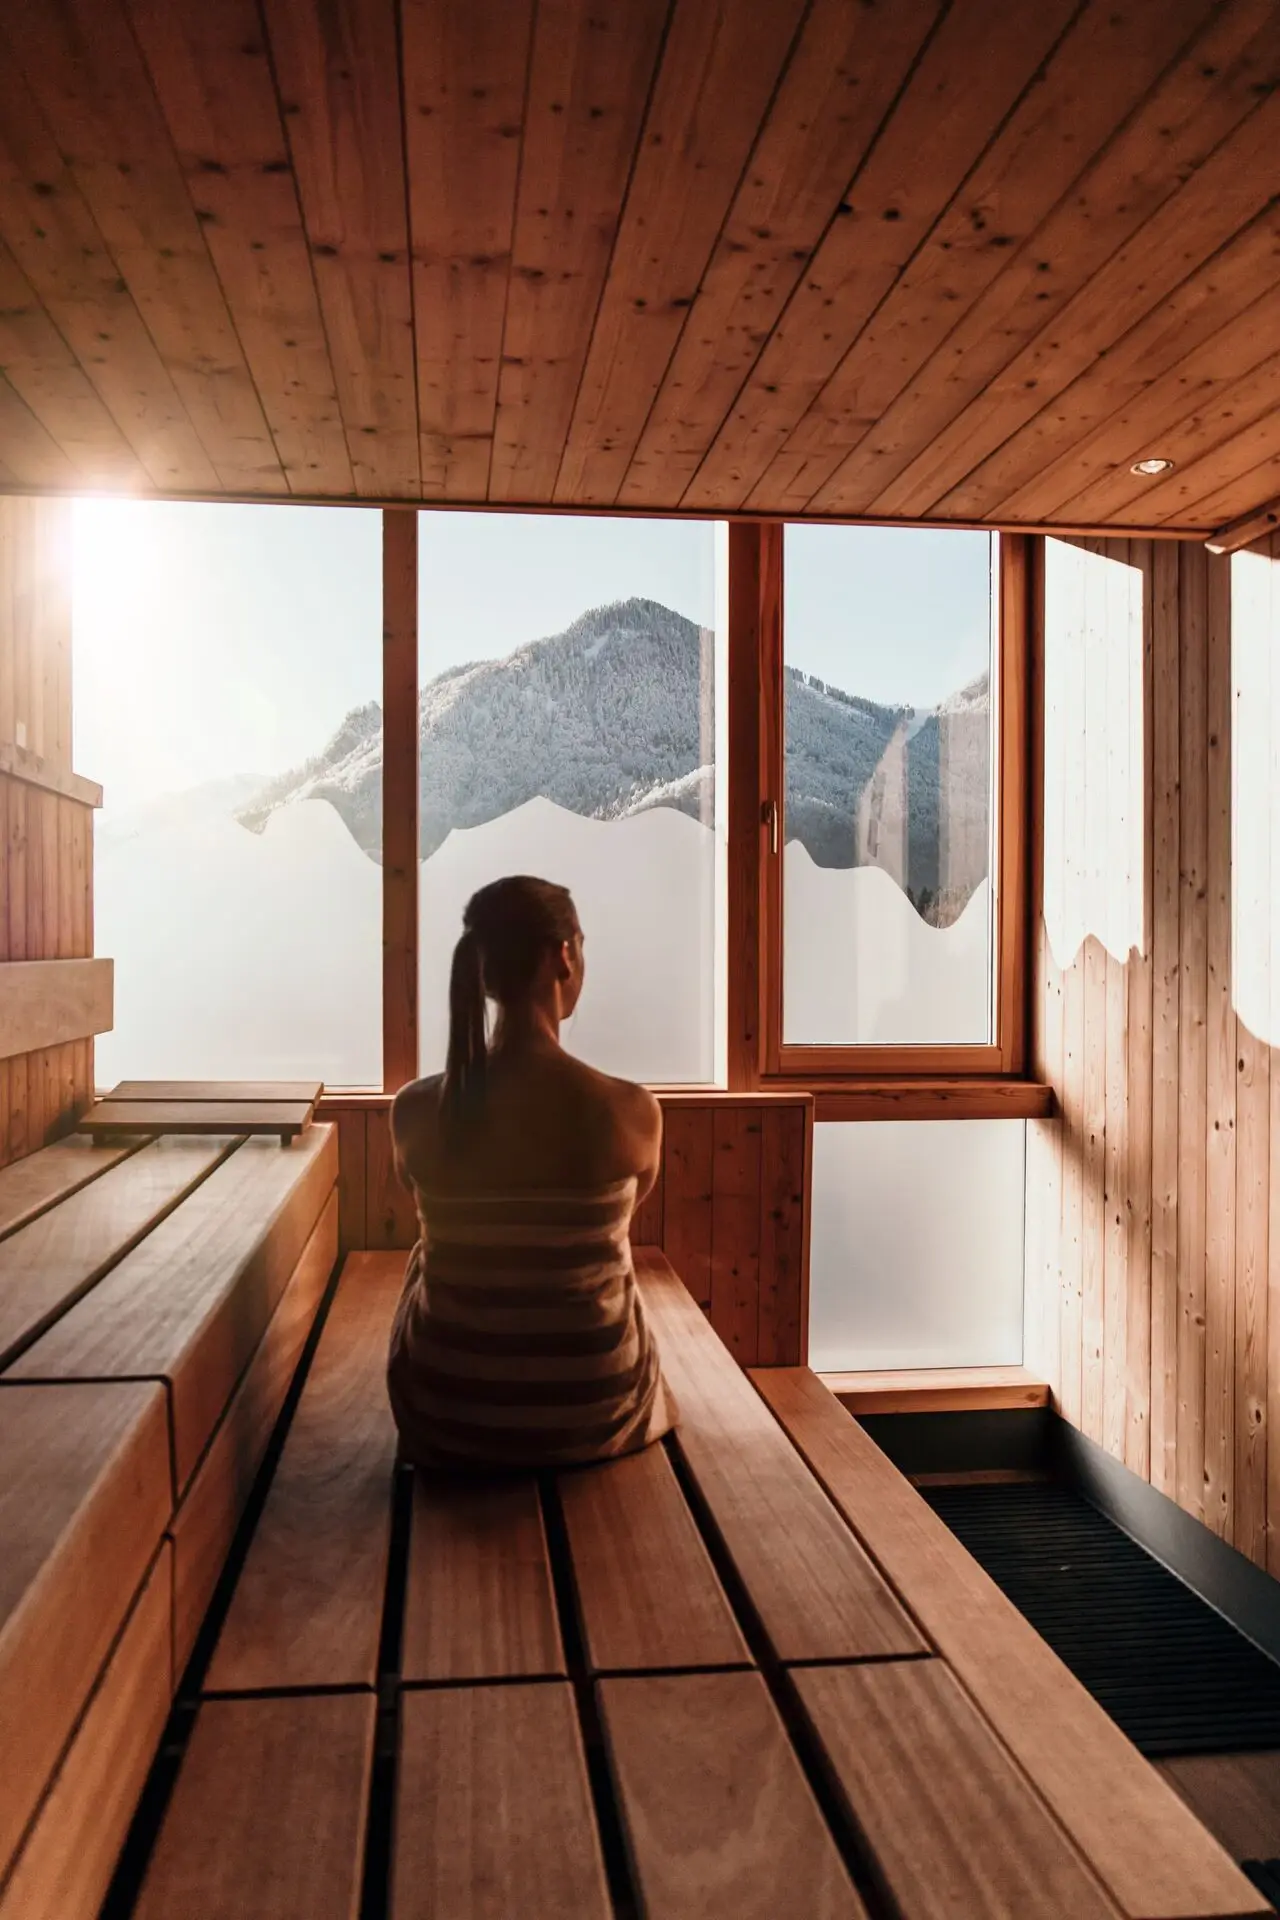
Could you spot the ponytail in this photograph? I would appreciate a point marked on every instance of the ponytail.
(466, 1060)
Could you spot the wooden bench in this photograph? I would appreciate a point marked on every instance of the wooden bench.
(148, 1291)
(705, 1653)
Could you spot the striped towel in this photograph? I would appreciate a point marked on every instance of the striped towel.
(520, 1339)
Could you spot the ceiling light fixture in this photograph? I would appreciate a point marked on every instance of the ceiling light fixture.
(1149, 468)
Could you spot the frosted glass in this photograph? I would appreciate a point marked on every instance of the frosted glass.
(888, 637)
(917, 1249)
(570, 729)
(227, 664)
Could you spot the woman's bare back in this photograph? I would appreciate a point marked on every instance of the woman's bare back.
(547, 1121)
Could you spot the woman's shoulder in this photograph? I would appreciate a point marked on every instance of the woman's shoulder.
(416, 1106)
(629, 1104)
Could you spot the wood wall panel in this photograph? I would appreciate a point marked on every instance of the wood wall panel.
(46, 836)
(731, 1208)
(1159, 1173)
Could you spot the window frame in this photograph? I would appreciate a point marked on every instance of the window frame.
(758, 1055)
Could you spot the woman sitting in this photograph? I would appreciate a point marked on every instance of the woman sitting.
(520, 1339)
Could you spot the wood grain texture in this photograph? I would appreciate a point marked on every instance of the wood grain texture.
(45, 1003)
(1151, 1855)
(1237, 1795)
(307, 1609)
(189, 1304)
(67, 1860)
(736, 1140)
(271, 1796)
(648, 1595)
(273, 1092)
(952, 1823)
(204, 1525)
(688, 1156)
(286, 1118)
(47, 1265)
(719, 1817)
(83, 1503)
(479, 1602)
(480, 1832)
(817, 1594)
(33, 1185)
(937, 1390)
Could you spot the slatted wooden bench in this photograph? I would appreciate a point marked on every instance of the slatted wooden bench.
(154, 1297)
(747, 1673)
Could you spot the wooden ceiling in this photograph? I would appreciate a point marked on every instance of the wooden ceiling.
(861, 258)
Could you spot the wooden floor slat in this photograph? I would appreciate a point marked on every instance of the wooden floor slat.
(647, 1591)
(1152, 1854)
(479, 1602)
(817, 1593)
(84, 1497)
(721, 1822)
(937, 1390)
(30, 1187)
(69, 1856)
(189, 1304)
(268, 1813)
(493, 1811)
(307, 1609)
(1237, 1795)
(46, 1265)
(955, 1827)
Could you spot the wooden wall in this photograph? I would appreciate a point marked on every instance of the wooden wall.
(46, 816)
(1153, 1230)
(731, 1208)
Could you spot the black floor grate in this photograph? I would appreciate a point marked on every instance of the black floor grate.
(1265, 1875)
(1173, 1673)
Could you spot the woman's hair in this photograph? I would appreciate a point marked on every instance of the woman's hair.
(508, 927)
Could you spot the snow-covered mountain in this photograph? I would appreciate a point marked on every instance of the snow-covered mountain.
(615, 716)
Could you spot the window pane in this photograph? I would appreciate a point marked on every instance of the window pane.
(227, 673)
(569, 730)
(898, 1283)
(888, 640)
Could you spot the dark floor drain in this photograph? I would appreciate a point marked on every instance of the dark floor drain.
(1173, 1673)
(1265, 1875)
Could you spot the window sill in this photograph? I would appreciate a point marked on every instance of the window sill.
(957, 1098)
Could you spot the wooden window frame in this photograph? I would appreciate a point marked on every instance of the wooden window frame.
(757, 1054)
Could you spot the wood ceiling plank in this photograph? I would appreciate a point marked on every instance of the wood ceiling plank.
(57, 244)
(1203, 97)
(465, 67)
(211, 73)
(721, 1821)
(83, 67)
(1096, 77)
(1176, 359)
(971, 74)
(33, 457)
(592, 66)
(42, 368)
(1244, 472)
(337, 63)
(830, 103)
(1227, 188)
(712, 92)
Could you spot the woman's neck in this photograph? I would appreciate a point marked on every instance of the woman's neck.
(531, 1028)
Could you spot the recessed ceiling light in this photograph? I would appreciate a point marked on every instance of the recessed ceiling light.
(1148, 468)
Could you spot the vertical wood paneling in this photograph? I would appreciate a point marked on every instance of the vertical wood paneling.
(782, 1235)
(1183, 1098)
(686, 1179)
(46, 840)
(735, 1227)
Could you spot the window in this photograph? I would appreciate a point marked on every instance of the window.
(892, 885)
(227, 668)
(568, 726)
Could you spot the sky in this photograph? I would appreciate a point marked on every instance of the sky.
(220, 639)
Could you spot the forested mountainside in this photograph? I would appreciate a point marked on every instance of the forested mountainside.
(615, 715)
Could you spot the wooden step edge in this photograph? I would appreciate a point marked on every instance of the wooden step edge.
(938, 1390)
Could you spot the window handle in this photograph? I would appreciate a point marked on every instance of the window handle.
(769, 818)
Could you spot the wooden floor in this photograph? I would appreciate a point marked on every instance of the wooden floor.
(693, 1683)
